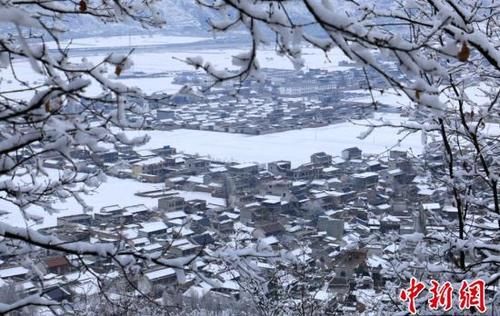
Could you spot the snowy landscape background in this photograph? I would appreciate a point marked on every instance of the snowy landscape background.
(295, 145)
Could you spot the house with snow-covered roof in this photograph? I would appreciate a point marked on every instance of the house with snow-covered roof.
(152, 166)
(153, 229)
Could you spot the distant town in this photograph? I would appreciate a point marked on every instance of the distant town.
(315, 98)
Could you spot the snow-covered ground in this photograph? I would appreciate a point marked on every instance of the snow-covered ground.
(147, 85)
(296, 145)
(172, 60)
(126, 41)
(389, 96)
(165, 61)
(113, 191)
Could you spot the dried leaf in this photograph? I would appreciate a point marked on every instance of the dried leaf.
(417, 94)
(47, 106)
(83, 6)
(118, 70)
(464, 53)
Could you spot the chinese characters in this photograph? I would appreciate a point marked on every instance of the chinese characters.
(470, 295)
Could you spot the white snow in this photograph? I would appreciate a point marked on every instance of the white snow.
(15, 271)
(126, 41)
(296, 146)
(389, 97)
(150, 227)
(113, 191)
(174, 215)
(161, 273)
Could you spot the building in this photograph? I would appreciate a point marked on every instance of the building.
(151, 166)
(321, 159)
(333, 227)
(351, 153)
(171, 203)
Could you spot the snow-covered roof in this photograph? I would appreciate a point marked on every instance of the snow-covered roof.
(271, 240)
(10, 272)
(373, 222)
(431, 206)
(152, 247)
(218, 169)
(450, 209)
(177, 221)
(322, 295)
(365, 175)
(150, 161)
(373, 163)
(176, 214)
(391, 248)
(376, 262)
(272, 199)
(136, 208)
(318, 182)
(425, 191)
(183, 231)
(230, 285)
(330, 169)
(196, 291)
(195, 179)
(150, 227)
(176, 179)
(111, 208)
(391, 218)
(395, 172)
(231, 215)
(244, 165)
(145, 153)
(229, 275)
(158, 274)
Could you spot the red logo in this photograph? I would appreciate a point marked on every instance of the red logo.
(471, 295)
(411, 293)
(441, 296)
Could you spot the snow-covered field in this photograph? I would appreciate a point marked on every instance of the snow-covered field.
(147, 85)
(172, 60)
(165, 61)
(126, 41)
(113, 191)
(296, 145)
(389, 97)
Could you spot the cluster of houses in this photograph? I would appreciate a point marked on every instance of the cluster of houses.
(322, 212)
(314, 98)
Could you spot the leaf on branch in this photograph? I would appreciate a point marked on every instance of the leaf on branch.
(47, 106)
(417, 94)
(464, 53)
(118, 70)
(83, 6)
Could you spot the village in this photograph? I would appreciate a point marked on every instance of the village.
(337, 215)
(315, 98)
